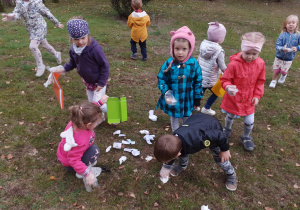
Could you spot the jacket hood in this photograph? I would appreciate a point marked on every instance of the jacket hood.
(208, 49)
(138, 18)
(185, 33)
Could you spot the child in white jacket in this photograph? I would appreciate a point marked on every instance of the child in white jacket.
(211, 59)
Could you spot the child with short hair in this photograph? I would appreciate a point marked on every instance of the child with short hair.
(88, 57)
(180, 74)
(32, 12)
(211, 60)
(76, 150)
(138, 21)
(198, 132)
(288, 43)
(243, 82)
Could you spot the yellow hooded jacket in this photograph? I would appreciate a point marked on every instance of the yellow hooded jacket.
(138, 22)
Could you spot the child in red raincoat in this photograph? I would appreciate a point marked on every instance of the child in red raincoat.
(243, 82)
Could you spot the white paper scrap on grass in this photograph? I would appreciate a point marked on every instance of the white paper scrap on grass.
(117, 132)
(148, 158)
(108, 149)
(144, 132)
(122, 159)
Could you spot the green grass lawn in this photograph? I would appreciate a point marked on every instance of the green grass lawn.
(31, 120)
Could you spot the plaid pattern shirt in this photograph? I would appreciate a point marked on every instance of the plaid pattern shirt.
(185, 80)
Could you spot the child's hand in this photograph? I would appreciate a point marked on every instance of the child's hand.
(98, 88)
(231, 90)
(8, 17)
(255, 101)
(225, 156)
(294, 49)
(90, 178)
(104, 99)
(61, 26)
(164, 172)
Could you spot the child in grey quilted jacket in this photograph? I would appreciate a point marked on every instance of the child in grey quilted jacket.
(211, 61)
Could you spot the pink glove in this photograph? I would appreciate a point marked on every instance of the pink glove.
(231, 90)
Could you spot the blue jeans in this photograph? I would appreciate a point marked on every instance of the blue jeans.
(211, 100)
(88, 157)
(142, 46)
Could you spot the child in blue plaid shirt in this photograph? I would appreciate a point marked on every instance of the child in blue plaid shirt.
(180, 74)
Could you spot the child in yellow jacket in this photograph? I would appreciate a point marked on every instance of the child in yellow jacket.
(138, 21)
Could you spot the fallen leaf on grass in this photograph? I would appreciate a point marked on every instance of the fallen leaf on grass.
(281, 149)
(159, 186)
(215, 184)
(296, 186)
(120, 194)
(121, 167)
(1, 187)
(268, 208)
(34, 152)
(23, 92)
(2, 156)
(231, 144)
(268, 127)
(176, 195)
(75, 204)
(268, 170)
(7, 82)
(61, 199)
(21, 123)
(10, 156)
(259, 203)
(132, 195)
(295, 205)
(270, 175)
(297, 164)
(146, 192)
(156, 204)
(280, 100)
(6, 147)
(52, 178)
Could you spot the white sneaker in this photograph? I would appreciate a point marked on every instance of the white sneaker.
(58, 58)
(282, 79)
(208, 111)
(273, 84)
(40, 70)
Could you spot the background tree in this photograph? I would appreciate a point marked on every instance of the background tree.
(123, 7)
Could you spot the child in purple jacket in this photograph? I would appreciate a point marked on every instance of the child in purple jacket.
(88, 57)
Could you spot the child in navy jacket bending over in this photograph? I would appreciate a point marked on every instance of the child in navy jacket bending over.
(198, 132)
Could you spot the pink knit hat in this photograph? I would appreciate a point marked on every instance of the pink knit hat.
(185, 33)
(216, 32)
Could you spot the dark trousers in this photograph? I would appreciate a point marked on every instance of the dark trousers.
(211, 100)
(142, 46)
(89, 156)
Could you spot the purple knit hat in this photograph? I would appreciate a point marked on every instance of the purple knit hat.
(78, 28)
(216, 32)
(185, 33)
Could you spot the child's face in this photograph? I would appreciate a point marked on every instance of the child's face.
(291, 25)
(181, 50)
(93, 125)
(81, 42)
(250, 55)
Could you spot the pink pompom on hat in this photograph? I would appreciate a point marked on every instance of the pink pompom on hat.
(185, 33)
(216, 32)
